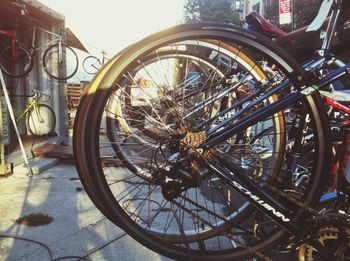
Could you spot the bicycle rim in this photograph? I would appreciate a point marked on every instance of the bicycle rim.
(92, 65)
(41, 121)
(17, 66)
(60, 63)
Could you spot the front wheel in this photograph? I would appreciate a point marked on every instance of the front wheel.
(60, 61)
(41, 120)
(16, 62)
(91, 65)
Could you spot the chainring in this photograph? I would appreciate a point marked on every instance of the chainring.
(333, 232)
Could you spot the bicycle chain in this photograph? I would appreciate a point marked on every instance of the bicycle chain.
(229, 235)
(279, 192)
(289, 197)
(252, 250)
(262, 183)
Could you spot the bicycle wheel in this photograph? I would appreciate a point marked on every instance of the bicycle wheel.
(60, 66)
(41, 120)
(158, 198)
(143, 101)
(144, 113)
(92, 64)
(16, 63)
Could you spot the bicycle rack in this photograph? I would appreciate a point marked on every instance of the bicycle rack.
(12, 116)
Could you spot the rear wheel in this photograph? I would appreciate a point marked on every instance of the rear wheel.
(146, 183)
(17, 62)
(60, 61)
(41, 120)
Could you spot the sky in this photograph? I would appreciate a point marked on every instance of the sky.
(112, 25)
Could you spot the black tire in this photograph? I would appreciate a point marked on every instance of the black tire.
(92, 65)
(60, 69)
(42, 121)
(103, 180)
(18, 67)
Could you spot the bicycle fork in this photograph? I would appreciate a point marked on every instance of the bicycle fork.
(37, 111)
(60, 53)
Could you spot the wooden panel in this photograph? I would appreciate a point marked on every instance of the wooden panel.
(74, 93)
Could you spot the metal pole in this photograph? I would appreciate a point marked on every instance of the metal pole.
(293, 15)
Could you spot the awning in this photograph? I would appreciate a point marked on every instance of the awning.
(73, 41)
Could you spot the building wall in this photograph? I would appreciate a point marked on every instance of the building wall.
(254, 5)
(37, 79)
(238, 7)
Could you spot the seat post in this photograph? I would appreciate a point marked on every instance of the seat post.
(331, 28)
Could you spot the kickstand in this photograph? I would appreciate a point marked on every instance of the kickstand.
(12, 116)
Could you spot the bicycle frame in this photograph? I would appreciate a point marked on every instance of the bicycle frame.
(57, 39)
(256, 195)
(33, 103)
(13, 35)
(104, 57)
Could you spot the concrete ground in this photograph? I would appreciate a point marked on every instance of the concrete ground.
(76, 228)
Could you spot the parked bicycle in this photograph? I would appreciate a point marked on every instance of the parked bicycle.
(226, 167)
(59, 60)
(15, 59)
(337, 98)
(92, 64)
(40, 119)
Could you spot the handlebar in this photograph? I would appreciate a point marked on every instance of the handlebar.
(37, 94)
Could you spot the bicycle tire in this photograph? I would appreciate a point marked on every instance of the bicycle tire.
(133, 123)
(64, 69)
(93, 107)
(43, 124)
(138, 124)
(19, 68)
(92, 64)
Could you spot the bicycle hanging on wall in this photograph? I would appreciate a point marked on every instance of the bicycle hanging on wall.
(15, 59)
(59, 60)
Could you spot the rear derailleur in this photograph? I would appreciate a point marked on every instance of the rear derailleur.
(183, 170)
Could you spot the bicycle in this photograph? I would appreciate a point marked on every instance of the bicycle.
(59, 60)
(92, 64)
(16, 60)
(337, 100)
(55, 58)
(212, 183)
(40, 119)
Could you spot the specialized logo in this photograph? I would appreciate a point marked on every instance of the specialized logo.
(260, 201)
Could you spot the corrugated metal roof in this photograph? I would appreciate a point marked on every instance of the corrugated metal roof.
(73, 41)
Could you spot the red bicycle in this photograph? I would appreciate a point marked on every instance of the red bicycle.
(59, 60)
(15, 59)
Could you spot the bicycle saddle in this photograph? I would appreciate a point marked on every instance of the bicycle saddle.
(261, 25)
